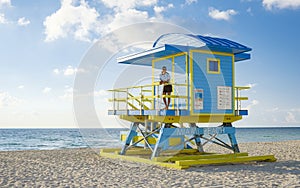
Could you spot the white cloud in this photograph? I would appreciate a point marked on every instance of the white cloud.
(121, 6)
(281, 115)
(79, 21)
(56, 71)
(171, 5)
(281, 4)
(4, 3)
(290, 118)
(188, 2)
(126, 18)
(128, 12)
(76, 19)
(3, 20)
(160, 9)
(21, 87)
(6, 100)
(69, 71)
(23, 21)
(221, 15)
(46, 90)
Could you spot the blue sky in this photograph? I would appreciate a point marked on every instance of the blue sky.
(44, 41)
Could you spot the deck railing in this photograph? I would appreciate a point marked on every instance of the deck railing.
(148, 97)
(239, 99)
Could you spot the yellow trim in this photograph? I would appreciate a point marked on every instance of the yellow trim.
(233, 85)
(118, 100)
(173, 78)
(137, 118)
(197, 157)
(267, 158)
(208, 65)
(141, 160)
(241, 98)
(174, 96)
(147, 90)
(132, 87)
(178, 160)
(149, 139)
(165, 119)
(212, 52)
(153, 86)
(169, 56)
(174, 141)
(142, 151)
(200, 118)
(137, 151)
(123, 137)
(187, 73)
(172, 57)
(184, 119)
(242, 87)
(191, 64)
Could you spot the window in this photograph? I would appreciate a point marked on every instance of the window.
(213, 66)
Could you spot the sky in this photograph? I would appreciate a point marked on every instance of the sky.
(42, 43)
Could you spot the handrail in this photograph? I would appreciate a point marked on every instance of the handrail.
(140, 102)
(242, 87)
(238, 98)
(137, 97)
(241, 98)
(143, 94)
(143, 86)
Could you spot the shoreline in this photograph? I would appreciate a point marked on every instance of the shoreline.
(83, 167)
(88, 147)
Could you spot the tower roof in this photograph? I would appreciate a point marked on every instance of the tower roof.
(172, 43)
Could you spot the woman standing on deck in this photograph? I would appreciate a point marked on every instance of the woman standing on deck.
(165, 79)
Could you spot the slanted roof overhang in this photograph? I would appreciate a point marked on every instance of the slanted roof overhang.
(145, 57)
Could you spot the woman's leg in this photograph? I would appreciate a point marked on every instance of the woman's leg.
(164, 99)
(169, 100)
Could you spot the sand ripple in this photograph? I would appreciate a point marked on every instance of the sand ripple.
(84, 168)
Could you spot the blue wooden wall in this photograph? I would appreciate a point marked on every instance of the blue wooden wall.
(209, 82)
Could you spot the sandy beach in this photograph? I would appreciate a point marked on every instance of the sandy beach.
(85, 168)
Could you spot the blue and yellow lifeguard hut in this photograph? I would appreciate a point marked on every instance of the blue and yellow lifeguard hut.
(202, 70)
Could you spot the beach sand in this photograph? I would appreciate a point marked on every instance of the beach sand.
(85, 168)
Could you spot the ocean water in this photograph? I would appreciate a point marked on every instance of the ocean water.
(47, 139)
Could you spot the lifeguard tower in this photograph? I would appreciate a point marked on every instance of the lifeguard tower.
(202, 70)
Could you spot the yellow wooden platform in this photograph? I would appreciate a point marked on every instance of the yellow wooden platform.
(183, 159)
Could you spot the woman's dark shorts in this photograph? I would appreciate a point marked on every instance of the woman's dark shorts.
(167, 89)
